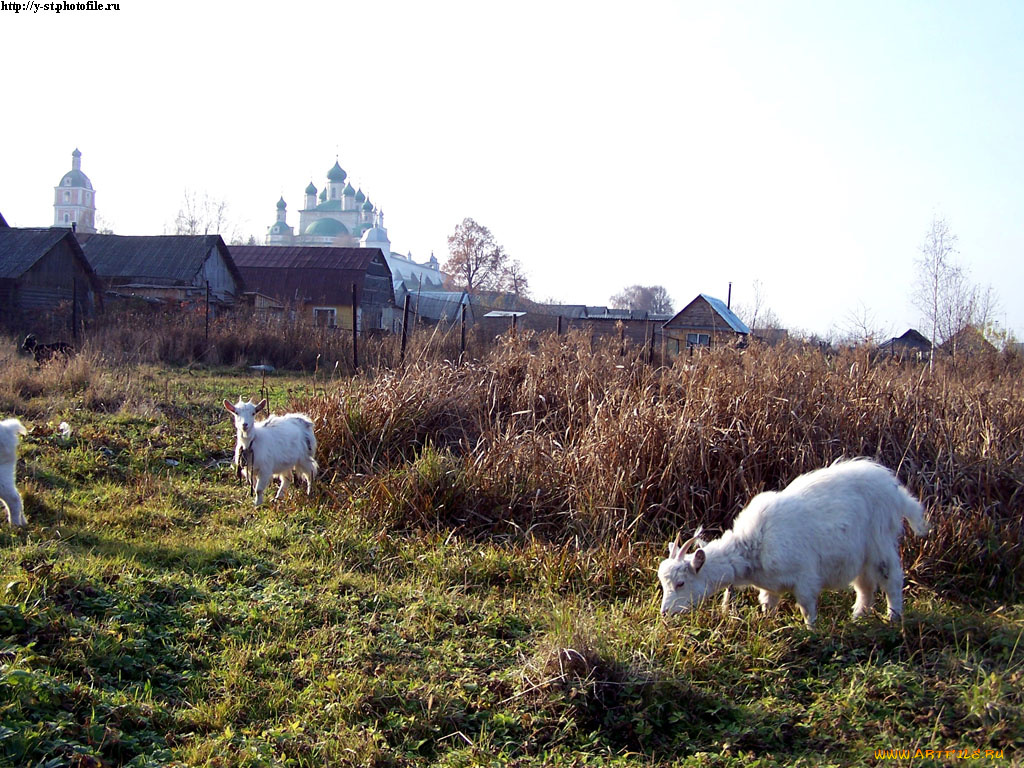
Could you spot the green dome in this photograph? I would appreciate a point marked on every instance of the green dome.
(281, 204)
(368, 206)
(311, 189)
(360, 197)
(337, 173)
(326, 228)
(348, 191)
(323, 194)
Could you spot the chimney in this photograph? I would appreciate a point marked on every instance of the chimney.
(728, 300)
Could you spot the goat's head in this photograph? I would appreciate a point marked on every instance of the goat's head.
(244, 413)
(683, 584)
(29, 343)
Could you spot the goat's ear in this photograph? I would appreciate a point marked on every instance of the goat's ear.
(262, 405)
(229, 406)
(698, 560)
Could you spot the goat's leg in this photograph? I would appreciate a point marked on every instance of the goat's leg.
(286, 480)
(865, 587)
(807, 602)
(892, 583)
(12, 500)
(262, 481)
(769, 600)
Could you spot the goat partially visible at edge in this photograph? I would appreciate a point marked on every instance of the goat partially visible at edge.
(278, 446)
(827, 529)
(10, 431)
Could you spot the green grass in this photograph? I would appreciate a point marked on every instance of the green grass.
(150, 616)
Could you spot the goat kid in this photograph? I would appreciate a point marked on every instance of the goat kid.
(830, 528)
(10, 431)
(278, 446)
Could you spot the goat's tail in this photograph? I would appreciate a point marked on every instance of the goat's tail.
(913, 513)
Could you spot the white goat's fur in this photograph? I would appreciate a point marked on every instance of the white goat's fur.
(829, 528)
(278, 446)
(10, 431)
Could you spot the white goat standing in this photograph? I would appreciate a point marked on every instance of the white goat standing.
(10, 431)
(829, 528)
(278, 446)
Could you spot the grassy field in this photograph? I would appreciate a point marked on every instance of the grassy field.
(473, 581)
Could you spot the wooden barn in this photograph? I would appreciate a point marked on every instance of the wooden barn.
(704, 322)
(316, 283)
(170, 268)
(46, 283)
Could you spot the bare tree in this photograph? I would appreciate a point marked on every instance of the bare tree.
(644, 298)
(943, 291)
(515, 280)
(476, 261)
(202, 216)
(756, 313)
(861, 326)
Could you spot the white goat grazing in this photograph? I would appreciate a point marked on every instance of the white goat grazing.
(10, 431)
(278, 446)
(829, 528)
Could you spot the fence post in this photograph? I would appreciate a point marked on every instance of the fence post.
(207, 311)
(74, 309)
(558, 327)
(462, 347)
(405, 327)
(650, 348)
(355, 331)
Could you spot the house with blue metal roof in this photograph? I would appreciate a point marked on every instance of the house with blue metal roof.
(704, 322)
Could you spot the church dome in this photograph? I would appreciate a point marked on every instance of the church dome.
(360, 197)
(281, 204)
(326, 228)
(311, 189)
(368, 206)
(375, 235)
(337, 173)
(75, 178)
(348, 191)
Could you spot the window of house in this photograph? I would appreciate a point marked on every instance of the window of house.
(325, 317)
(67, 196)
(698, 340)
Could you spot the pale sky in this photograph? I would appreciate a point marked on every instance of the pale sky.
(804, 145)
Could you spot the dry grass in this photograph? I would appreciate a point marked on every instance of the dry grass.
(550, 437)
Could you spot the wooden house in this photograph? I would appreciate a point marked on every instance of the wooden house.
(47, 285)
(912, 345)
(184, 269)
(704, 322)
(316, 283)
(967, 342)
